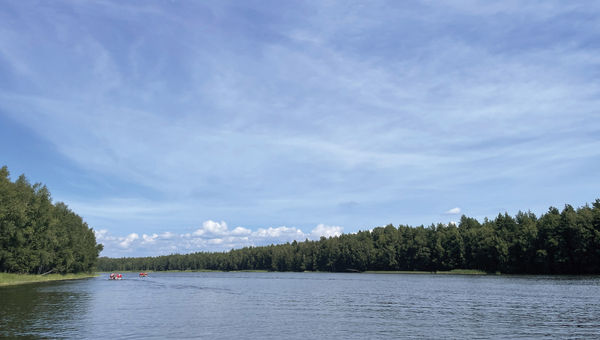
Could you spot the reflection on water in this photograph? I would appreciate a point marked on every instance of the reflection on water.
(42, 310)
(305, 305)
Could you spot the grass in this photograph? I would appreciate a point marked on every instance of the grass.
(11, 279)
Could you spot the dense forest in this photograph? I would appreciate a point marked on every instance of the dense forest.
(37, 236)
(558, 242)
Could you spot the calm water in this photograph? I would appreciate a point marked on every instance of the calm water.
(304, 306)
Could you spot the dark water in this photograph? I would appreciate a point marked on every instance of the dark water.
(304, 306)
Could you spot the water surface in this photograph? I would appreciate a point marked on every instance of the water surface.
(304, 306)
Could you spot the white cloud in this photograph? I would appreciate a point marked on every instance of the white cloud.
(453, 211)
(241, 231)
(212, 236)
(279, 232)
(125, 242)
(101, 234)
(198, 232)
(167, 235)
(147, 239)
(325, 230)
(211, 228)
(215, 227)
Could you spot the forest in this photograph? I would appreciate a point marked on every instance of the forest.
(37, 236)
(557, 242)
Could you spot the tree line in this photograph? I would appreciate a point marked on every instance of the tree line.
(558, 242)
(37, 236)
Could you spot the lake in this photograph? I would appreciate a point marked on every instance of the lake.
(304, 306)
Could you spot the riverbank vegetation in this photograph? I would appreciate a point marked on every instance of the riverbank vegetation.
(557, 242)
(39, 237)
(11, 279)
(443, 272)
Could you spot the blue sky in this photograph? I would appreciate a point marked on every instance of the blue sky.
(179, 126)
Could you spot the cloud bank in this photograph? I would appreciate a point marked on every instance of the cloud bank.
(211, 236)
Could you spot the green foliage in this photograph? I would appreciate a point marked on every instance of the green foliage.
(566, 242)
(37, 236)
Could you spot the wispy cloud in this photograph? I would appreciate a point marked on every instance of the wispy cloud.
(453, 211)
(275, 120)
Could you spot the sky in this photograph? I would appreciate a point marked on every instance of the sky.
(184, 126)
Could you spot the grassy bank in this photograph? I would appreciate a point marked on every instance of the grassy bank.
(10, 279)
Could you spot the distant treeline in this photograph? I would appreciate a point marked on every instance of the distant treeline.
(37, 236)
(558, 242)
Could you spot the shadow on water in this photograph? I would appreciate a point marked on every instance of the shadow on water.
(41, 310)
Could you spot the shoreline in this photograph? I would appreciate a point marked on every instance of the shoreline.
(449, 272)
(439, 272)
(12, 279)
